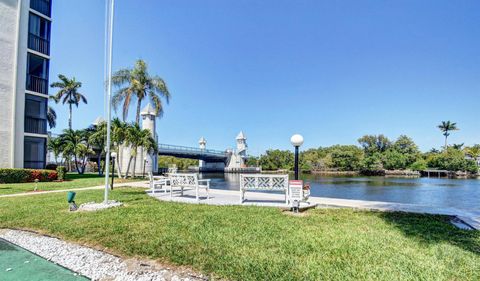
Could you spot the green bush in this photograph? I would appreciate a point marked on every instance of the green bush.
(26, 175)
(61, 172)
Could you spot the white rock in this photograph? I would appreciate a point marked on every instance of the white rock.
(91, 263)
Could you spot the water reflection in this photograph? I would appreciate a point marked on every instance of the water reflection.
(458, 193)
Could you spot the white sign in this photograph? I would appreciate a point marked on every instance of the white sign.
(296, 190)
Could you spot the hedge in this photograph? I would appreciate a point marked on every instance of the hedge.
(26, 175)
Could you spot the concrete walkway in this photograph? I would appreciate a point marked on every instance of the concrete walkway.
(132, 184)
(232, 197)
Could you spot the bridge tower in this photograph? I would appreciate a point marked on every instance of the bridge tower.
(149, 117)
(203, 144)
(241, 144)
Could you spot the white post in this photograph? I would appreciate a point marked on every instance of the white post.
(108, 75)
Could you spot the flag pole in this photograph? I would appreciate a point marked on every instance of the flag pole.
(108, 90)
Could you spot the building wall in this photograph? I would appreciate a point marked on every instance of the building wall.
(9, 22)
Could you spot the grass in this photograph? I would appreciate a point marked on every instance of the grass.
(253, 243)
(73, 181)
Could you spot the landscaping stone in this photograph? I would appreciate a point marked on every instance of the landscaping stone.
(94, 206)
(94, 264)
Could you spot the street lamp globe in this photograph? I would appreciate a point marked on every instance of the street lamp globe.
(296, 140)
(113, 154)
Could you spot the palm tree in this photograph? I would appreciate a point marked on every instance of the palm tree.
(97, 140)
(51, 114)
(69, 94)
(55, 145)
(137, 83)
(135, 138)
(76, 144)
(446, 127)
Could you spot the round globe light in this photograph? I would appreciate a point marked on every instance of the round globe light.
(296, 140)
(113, 154)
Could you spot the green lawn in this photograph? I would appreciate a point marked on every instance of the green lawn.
(73, 181)
(253, 243)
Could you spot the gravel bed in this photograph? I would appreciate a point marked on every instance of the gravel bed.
(93, 206)
(94, 264)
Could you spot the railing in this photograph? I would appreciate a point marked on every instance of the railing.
(180, 148)
(37, 84)
(38, 44)
(41, 6)
(35, 125)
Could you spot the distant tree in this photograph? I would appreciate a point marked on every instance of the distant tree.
(345, 157)
(372, 162)
(55, 145)
(136, 137)
(473, 151)
(452, 160)
(446, 127)
(418, 165)
(277, 159)
(404, 153)
(97, 139)
(137, 83)
(374, 144)
(76, 145)
(68, 94)
(252, 161)
(457, 146)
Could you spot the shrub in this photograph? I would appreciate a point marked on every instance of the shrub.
(51, 167)
(61, 172)
(26, 175)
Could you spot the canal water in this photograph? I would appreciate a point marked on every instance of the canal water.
(457, 193)
(18, 264)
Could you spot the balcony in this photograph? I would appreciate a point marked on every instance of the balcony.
(38, 44)
(41, 6)
(35, 125)
(37, 84)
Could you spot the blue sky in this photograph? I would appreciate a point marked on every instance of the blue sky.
(330, 70)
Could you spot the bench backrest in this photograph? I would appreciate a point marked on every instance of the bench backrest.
(186, 180)
(263, 182)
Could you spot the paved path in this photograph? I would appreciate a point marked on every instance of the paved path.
(132, 184)
(232, 197)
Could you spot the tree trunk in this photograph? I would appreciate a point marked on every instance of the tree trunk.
(128, 166)
(99, 163)
(446, 143)
(70, 116)
(135, 162)
(137, 119)
(76, 164)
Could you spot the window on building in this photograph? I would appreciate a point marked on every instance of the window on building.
(37, 74)
(39, 34)
(35, 153)
(41, 6)
(35, 114)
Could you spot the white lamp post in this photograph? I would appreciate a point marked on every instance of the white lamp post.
(145, 159)
(297, 141)
(113, 155)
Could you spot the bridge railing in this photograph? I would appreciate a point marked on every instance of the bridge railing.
(180, 148)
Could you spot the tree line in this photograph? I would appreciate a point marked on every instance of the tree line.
(373, 153)
(75, 148)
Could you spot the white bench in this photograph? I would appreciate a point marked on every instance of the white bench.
(258, 182)
(188, 181)
(158, 181)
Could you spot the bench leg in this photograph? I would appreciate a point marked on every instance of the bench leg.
(242, 196)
